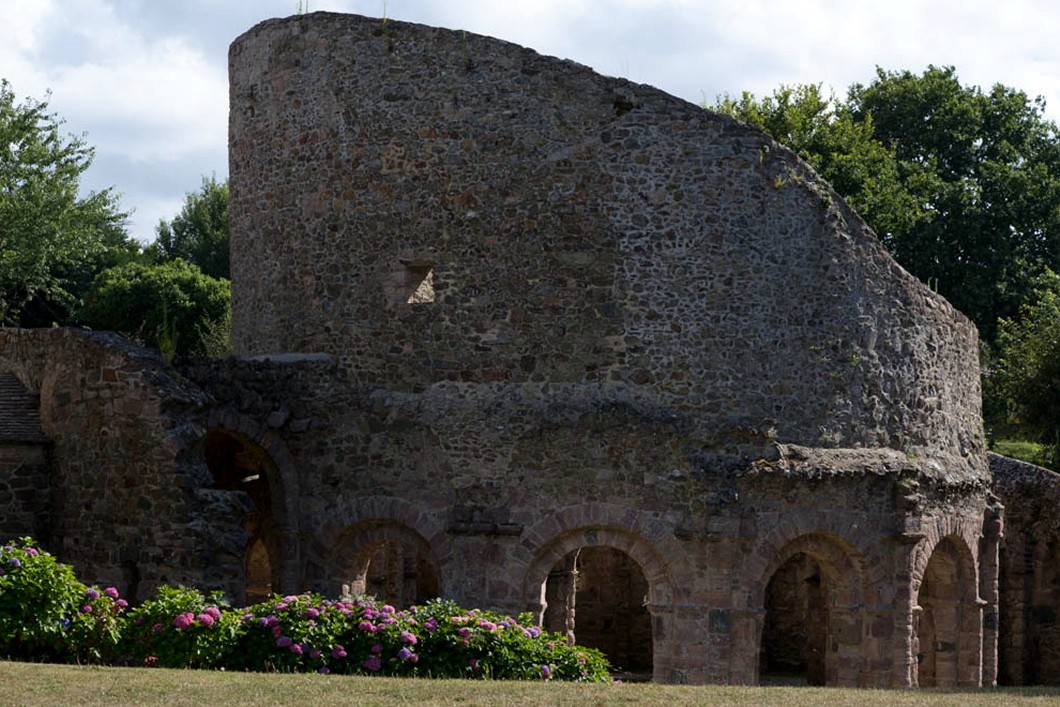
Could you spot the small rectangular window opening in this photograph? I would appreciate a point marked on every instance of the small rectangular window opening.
(420, 280)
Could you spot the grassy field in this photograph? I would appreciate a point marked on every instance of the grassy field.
(36, 685)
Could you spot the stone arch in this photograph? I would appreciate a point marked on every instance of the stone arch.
(386, 559)
(812, 595)
(1042, 664)
(233, 443)
(638, 563)
(947, 616)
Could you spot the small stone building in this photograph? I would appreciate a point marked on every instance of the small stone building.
(531, 338)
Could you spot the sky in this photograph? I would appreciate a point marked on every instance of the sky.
(145, 81)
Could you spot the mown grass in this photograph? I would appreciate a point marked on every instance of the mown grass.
(36, 685)
(1032, 452)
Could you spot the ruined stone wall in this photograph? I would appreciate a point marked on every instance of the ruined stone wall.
(1030, 581)
(574, 230)
(25, 497)
(125, 491)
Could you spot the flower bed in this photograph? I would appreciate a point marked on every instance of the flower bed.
(47, 614)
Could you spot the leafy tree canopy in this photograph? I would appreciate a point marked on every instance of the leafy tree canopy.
(199, 233)
(962, 186)
(52, 240)
(171, 306)
(1025, 381)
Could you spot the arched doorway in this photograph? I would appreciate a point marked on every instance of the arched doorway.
(258, 572)
(947, 619)
(597, 596)
(795, 633)
(389, 561)
(813, 613)
(239, 464)
(1043, 651)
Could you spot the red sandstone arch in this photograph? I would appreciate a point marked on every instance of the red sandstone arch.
(839, 601)
(386, 559)
(278, 529)
(660, 588)
(947, 617)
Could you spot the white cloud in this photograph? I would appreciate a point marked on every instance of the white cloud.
(147, 80)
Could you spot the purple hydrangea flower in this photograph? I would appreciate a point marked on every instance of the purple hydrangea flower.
(184, 620)
(91, 594)
(367, 626)
(373, 663)
(338, 652)
(86, 609)
(323, 670)
(283, 642)
(312, 613)
(15, 562)
(404, 654)
(296, 649)
(546, 672)
(377, 648)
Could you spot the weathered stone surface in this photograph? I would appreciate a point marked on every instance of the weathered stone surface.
(493, 310)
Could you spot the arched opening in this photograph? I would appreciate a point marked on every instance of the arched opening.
(795, 633)
(239, 464)
(1043, 654)
(946, 620)
(258, 572)
(390, 562)
(597, 596)
(813, 626)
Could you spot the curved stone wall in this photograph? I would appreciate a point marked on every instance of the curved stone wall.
(432, 206)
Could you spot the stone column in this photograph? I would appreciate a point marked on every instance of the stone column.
(989, 561)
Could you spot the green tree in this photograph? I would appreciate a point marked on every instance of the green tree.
(961, 186)
(199, 233)
(52, 241)
(1025, 378)
(171, 306)
(840, 146)
(985, 167)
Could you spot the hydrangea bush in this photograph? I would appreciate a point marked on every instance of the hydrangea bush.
(47, 614)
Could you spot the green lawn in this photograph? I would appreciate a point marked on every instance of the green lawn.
(36, 685)
(1021, 449)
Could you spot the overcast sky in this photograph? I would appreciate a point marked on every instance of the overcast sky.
(146, 80)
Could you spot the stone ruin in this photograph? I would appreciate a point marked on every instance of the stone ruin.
(535, 339)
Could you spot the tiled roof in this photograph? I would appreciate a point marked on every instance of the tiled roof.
(19, 412)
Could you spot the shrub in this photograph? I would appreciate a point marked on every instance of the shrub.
(47, 614)
(181, 628)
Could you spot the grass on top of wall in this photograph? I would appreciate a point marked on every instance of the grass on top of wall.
(37, 685)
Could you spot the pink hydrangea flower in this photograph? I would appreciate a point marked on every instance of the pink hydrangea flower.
(409, 638)
(184, 620)
(212, 611)
(205, 619)
(111, 592)
(338, 652)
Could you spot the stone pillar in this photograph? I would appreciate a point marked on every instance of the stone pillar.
(989, 563)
